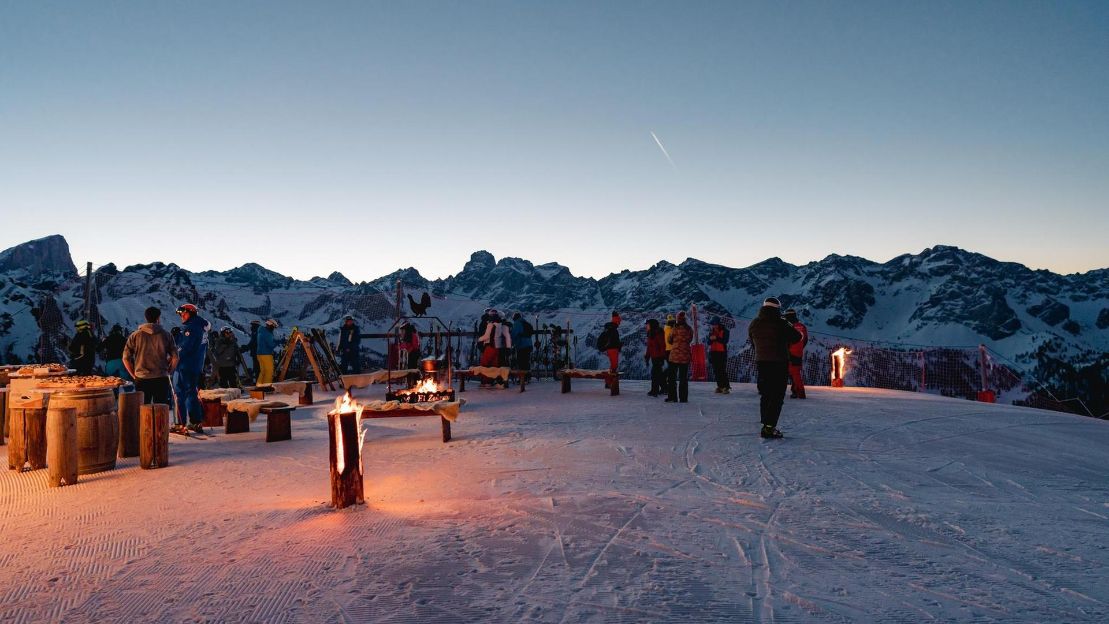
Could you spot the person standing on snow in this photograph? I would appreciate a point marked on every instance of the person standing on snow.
(677, 375)
(718, 354)
(350, 347)
(150, 357)
(225, 351)
(609, 342)
(797, 355)
(193, 352)
(656, 355)
(771, 335)
(521, 334)
(112, 350)
(265, 346)
(497, 337)
(251, 347)
(82, 349)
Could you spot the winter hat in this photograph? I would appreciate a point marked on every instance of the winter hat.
(669, 317)
(791, 313)
(772, 302)
(82, 324)
(271, 323)
(681, 316)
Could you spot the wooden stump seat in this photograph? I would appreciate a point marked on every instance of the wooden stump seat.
(278, 425)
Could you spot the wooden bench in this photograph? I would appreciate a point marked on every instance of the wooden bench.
(464, 374)
(237, 422)
(214, 412)
(278, 423)
(259, 392)
(612, 380)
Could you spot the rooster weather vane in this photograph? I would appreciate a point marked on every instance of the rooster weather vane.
(419, 308)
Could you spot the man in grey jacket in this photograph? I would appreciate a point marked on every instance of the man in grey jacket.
(150, 356)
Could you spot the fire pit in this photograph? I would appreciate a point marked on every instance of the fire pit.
(427, 389)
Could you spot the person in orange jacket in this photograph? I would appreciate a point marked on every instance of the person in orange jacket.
(797, 354)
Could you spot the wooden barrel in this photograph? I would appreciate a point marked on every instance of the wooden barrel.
(97, 426)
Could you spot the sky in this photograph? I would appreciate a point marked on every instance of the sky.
(362, 137)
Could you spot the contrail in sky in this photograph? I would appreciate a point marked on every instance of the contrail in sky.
(664, 152)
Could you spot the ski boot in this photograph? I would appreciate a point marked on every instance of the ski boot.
(770, 432)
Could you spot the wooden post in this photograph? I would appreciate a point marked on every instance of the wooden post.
(61, 446)
(154, 436)
(28, 429)
(446, 429)
(129, 404)
(278, 425)
(3, 414)
(213, 412)
(237, 422)
(346, 480)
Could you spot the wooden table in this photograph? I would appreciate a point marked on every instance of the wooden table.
(612, 379)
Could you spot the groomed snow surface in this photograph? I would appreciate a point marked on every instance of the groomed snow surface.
(879, 506)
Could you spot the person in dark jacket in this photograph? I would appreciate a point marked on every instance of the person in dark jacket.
(112, 351)
(251, 347)
(225, 351)
(82, 349)
(350, 345)
(681, 353)
(521, 334)
(718, 354)
(610, 343)
(656, 355)
(797, 355)
(771, 335)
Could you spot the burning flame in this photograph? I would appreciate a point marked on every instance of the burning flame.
(427, 386)
(346, 405)
(839, 363)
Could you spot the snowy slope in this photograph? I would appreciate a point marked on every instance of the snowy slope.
(879, 507)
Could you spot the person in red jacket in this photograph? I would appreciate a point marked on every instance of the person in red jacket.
(718, 355)
(656, 355)
(797, 355)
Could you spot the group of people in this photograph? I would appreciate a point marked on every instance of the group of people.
(170, 364)
(503, 341)
(779, 340)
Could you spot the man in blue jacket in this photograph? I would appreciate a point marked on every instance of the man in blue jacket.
(193, 350)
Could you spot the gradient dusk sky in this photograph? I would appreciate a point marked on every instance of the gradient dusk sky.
(363, 136)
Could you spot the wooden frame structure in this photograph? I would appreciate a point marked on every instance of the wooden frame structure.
(324, 376)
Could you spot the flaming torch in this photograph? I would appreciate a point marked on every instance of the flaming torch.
(839, 366)
(344, 425)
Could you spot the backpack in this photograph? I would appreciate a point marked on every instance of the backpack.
(604, 340)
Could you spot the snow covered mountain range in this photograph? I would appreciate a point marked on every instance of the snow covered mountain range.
(1053, 326)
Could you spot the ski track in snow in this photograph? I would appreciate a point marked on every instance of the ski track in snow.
(589, 508)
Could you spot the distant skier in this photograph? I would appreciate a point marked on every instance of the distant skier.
(667, 331)
(677, 375)
(82, 349)
(797, 355)
(718, 354)
(771, 335)
(225, 351)
(150, 356)
(193, 352)
(112, 350)
(609, 342)
(266, 346)
(350, 345)
(656, 356)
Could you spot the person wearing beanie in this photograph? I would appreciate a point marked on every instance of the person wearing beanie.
(677, 375)
(192, 351)
(350, 347)
(771, 335)
(718, 354)
(265, 346)
(656, 356)
(82, 349)
(112, 351)
(797, 355)
(609, 342)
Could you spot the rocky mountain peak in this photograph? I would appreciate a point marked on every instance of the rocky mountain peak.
(48, 256)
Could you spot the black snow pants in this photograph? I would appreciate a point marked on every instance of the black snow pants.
(772, 390)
